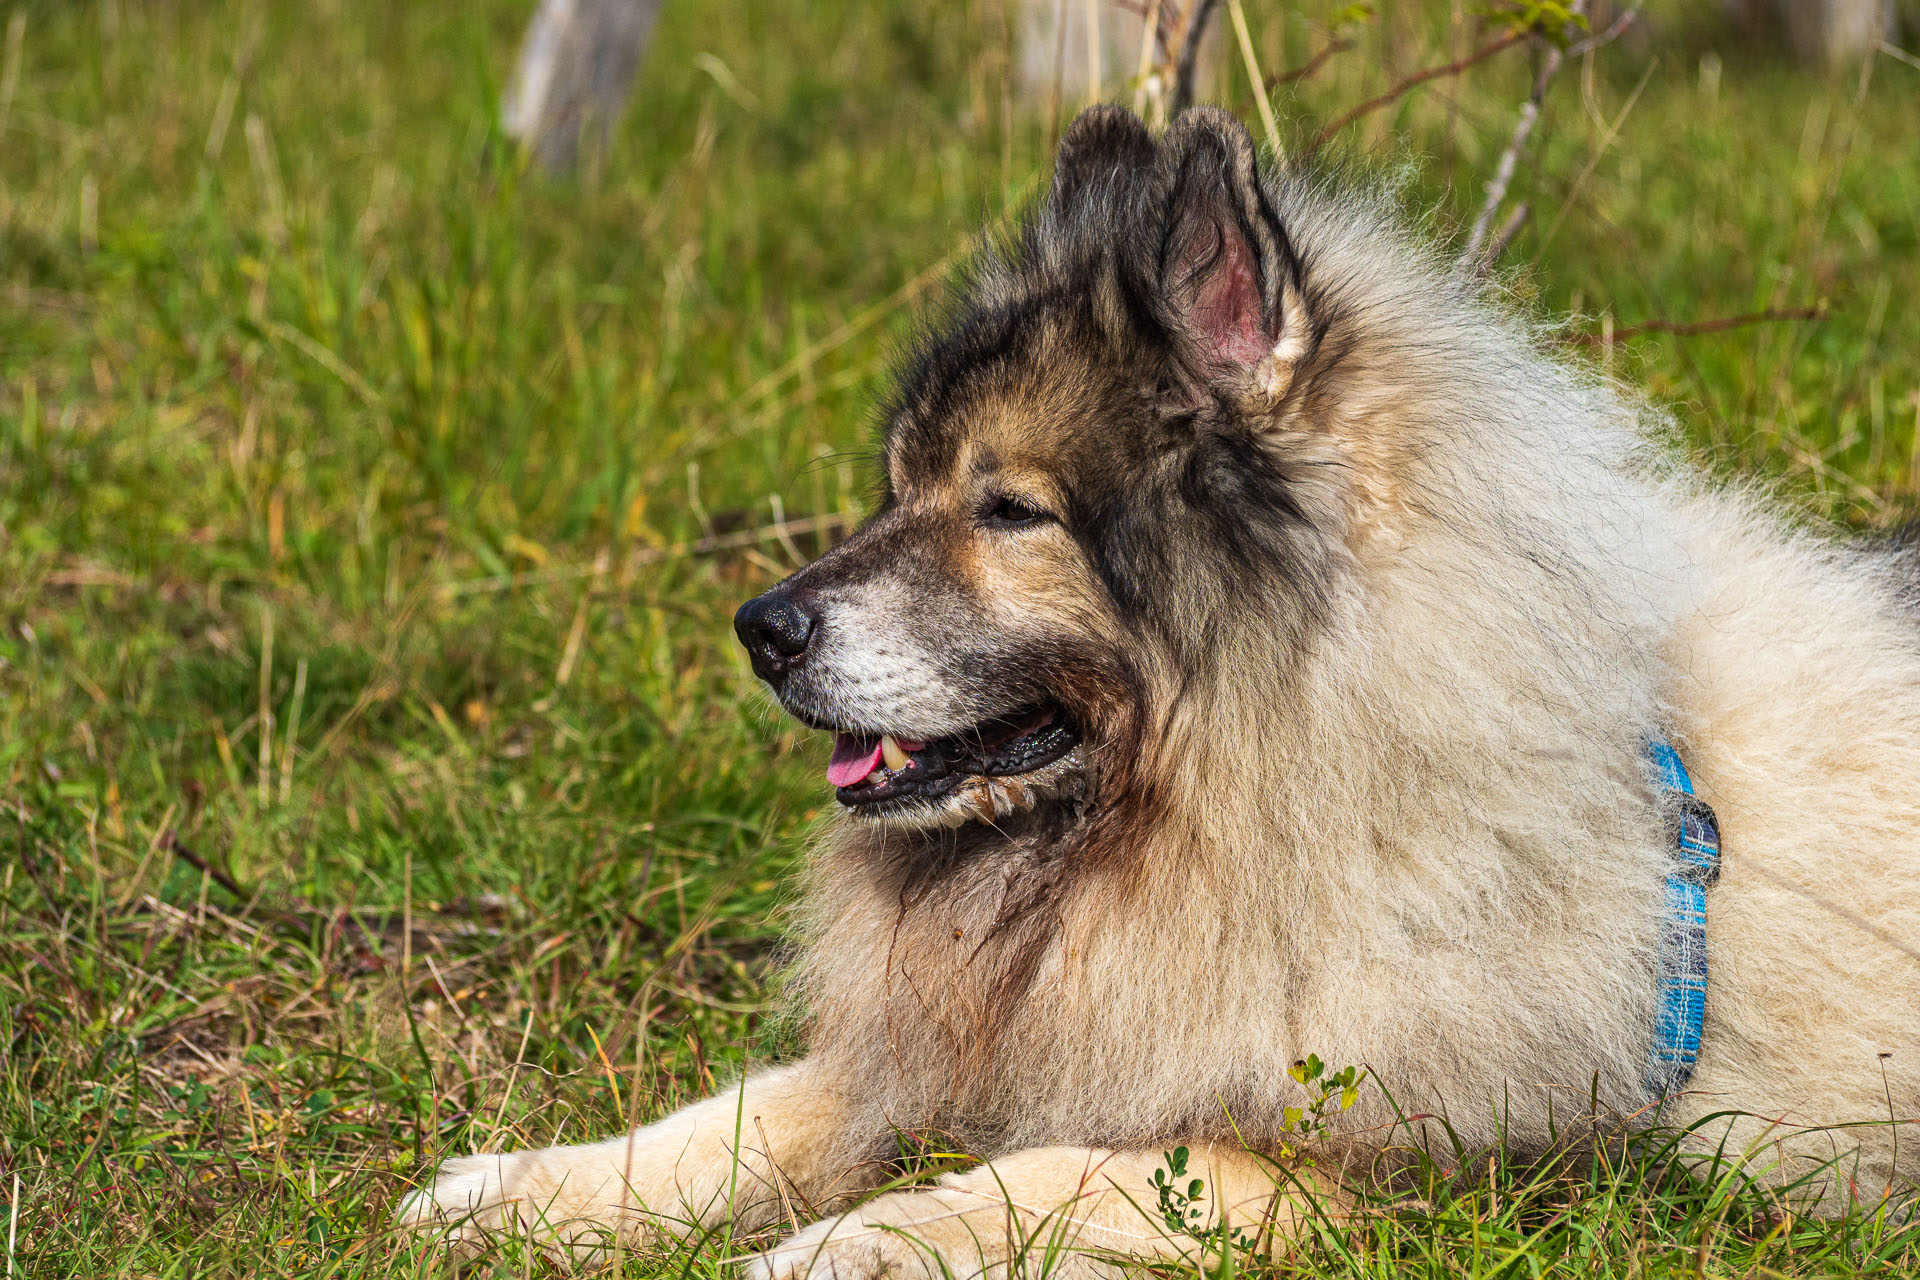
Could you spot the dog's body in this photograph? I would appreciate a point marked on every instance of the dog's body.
(1265, 637)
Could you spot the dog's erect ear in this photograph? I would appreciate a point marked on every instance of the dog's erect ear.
(1103, 149)
(1102, 196)
(1226, 274)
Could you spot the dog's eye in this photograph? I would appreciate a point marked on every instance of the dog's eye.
(1011, 513)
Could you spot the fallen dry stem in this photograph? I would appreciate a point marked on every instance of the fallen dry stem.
(781, 531)
(1718, 325)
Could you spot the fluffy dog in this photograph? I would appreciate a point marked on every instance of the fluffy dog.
(1254, 655)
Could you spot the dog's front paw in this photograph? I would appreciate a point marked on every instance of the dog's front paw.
(943, 1233)
(469, 1197)
(849, 1247)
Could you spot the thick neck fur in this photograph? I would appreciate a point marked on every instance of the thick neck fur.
(1454, 747)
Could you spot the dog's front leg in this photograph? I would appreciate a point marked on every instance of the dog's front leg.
(752, 1153)
(1054, 1210)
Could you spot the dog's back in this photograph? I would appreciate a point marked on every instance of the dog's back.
(1798, 695)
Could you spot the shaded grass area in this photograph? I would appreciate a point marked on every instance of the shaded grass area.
(377, 779)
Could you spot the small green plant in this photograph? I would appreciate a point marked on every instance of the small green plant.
(1352, 15)
(1179, 1196)
(1304, 1124)
(1553, 19)
(1184, 1215)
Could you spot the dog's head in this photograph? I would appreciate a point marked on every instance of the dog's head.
(1085, 515)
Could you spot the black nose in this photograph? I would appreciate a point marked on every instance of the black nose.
(775, 629)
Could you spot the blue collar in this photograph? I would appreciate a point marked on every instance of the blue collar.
(1681, 1003)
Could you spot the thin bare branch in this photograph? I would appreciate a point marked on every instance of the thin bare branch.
(1613, 32)
(1307, 69)
(1410, 83)
(1189, 60)
(1510, 158)
(1508, 230)
(1311, 65)
(170, 841)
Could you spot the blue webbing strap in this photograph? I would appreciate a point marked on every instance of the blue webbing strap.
(1681, 1003)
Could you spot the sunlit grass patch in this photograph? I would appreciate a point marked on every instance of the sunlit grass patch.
(378, 779)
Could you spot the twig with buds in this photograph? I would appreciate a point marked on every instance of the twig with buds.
(1471, 257)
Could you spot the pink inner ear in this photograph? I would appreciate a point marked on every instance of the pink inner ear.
(1225, 309)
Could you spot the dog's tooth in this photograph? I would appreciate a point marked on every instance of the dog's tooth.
(891, 752)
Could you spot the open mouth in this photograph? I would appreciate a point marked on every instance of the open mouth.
(878, 774)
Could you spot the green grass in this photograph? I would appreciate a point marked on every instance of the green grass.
(377, 776)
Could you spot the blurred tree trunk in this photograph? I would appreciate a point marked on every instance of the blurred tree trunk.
(1075, 52)
(575, 69)
(1823, 31)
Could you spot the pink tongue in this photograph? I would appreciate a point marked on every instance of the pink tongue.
(853, 759)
